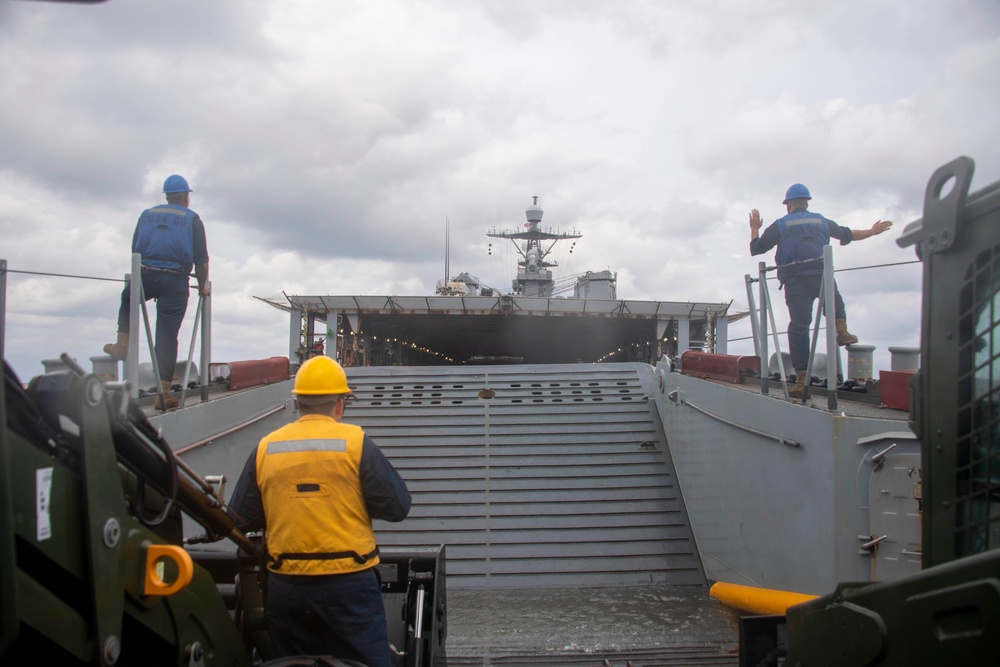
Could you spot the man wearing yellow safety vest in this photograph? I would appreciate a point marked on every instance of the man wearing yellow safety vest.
(315, 485)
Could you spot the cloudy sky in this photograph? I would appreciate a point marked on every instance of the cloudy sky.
(328, 142)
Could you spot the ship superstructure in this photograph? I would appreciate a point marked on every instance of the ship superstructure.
(465, 322)
(534, 277)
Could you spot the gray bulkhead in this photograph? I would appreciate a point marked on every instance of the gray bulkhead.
(785, 496)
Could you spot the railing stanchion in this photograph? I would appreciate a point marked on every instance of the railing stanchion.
(829, 290)
(762, 273)
(753, 314)
(3, 304)
(190, 357)
(132, 359)
(160, 391)
(206, 340)
(814, 330)
(777, 344)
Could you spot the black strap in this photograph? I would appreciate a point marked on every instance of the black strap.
(330, 555)
(163, 269)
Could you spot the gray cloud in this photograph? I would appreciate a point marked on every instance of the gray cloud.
(328, 143)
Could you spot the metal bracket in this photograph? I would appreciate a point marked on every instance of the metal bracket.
(506, 303)
(879, 458)
(936, 231)
(871, 546)
(195, 655)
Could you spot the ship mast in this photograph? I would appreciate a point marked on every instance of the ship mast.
(533, 275)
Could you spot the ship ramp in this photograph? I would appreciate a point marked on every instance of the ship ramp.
(532, 476)
(552, 489)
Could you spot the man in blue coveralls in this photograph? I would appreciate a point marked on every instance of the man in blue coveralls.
(800, 236)
(171, 239)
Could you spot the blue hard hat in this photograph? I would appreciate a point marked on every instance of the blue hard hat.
(797, 191)
(175, 183)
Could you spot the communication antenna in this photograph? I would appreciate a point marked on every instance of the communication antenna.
(447, 248)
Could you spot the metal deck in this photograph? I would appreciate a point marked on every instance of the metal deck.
(553, 476)
(552, 488)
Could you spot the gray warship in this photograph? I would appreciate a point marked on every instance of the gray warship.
(582, 468)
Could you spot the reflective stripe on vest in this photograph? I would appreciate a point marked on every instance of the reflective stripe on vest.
(310, 482)
(327, 445)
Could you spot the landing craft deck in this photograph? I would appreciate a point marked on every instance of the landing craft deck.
(567, 539)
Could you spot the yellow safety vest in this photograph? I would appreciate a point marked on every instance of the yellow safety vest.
(310, 483)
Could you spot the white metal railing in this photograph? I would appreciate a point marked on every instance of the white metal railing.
(203, 320)
(759, 330)
(203, 315)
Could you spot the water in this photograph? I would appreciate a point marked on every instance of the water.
(649, 625)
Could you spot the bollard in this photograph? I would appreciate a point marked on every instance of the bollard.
(905, 358)
(147, 378)
(182, 369)
(53, 365)
(859, 362)
(104, 367)
(786, 360)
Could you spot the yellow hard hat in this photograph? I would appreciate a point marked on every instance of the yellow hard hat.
(320, 376)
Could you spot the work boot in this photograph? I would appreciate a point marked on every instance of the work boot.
(169, 400)
(119, 349)
(799, 388)
(844, 337)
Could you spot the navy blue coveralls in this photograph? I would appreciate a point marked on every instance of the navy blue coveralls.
(801, 235)
(171, 239)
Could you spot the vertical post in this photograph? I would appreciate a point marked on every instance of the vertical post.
(206, 341)
(3, 305)
(754, 333)
(762, 279)
(418, 629)
(811, 356)
(721, 334)
(782, 373)
(190, 357)
(310, 335)
(683, 339)
(132, 360)
(294, 336)
(330, 344)
(9, 615)
(152, 353)
(829, 288)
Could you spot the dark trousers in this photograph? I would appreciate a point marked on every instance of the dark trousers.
(340, 615)
(800, 293)
(171, 293)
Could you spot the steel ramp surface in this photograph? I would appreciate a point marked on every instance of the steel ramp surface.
(553, 476)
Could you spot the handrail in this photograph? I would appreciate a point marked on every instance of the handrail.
(228, 431)
(826, 295)
(136, 306)
(794, 444)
